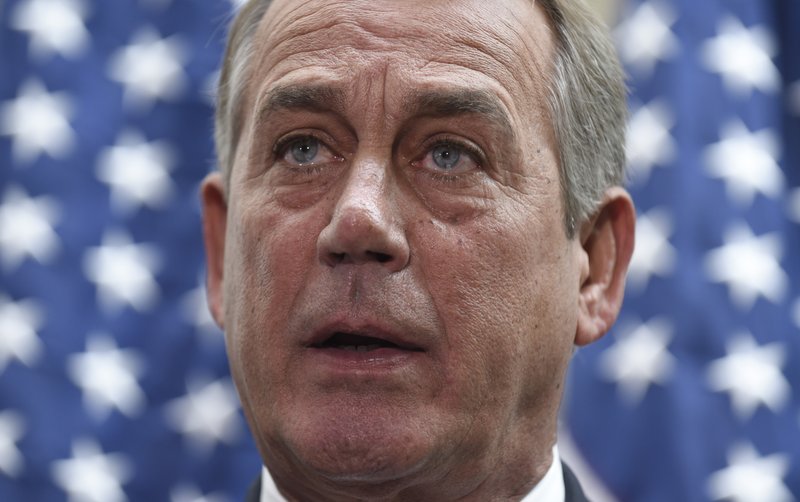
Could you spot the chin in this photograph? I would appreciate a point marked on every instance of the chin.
(360, 445)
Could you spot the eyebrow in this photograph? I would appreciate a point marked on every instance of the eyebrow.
(435, 103)
(454, 102)
(318, 98)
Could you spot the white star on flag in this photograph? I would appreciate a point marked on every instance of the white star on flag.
(90, 475)
(742, 57)
(19, 323)
(26, 228)
(653, 254)
(749, 265)
(648, 141)
(752, 375)
(207, 414)
(137, 172)
(747, 162)
(750, 477)
(107, 376)
(188, 493)
(123, 272)
(639, 358)
(38, 122)
(645, 38)
(12, 428)
(54, 26)
(150, 68)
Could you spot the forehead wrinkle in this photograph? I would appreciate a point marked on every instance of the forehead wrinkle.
(326, 29)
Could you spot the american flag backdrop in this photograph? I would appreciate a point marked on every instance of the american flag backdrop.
(113, 379)
(114, 382)
(695, 394)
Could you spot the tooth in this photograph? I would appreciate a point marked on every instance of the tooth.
(349, 347)
(373, 346)
(361, 348)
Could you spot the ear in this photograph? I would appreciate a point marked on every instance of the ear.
(215, 213)
(607, 241)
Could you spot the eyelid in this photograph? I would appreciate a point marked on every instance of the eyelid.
(287, 139)
(468, 146)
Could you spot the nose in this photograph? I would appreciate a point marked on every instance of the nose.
(365, 227)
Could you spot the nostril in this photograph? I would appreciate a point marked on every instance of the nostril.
(367, 256)
(336, 258)
(379, 257)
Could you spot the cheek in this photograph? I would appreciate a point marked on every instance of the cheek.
(268, 259)
(502, 289)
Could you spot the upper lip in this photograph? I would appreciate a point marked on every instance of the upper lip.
(402, 338)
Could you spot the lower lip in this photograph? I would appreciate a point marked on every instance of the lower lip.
(380, 359)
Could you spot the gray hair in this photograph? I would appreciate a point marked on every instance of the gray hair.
(586, 101)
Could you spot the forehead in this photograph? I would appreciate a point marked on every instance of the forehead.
(504, 46)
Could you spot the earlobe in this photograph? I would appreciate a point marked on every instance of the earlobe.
(607, 240)
(215, 213)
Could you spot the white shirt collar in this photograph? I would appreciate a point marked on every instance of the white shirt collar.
(549, 489)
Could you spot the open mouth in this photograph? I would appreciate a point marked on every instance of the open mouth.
(359, 343)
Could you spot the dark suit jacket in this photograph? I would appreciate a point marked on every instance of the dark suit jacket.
(572, 489)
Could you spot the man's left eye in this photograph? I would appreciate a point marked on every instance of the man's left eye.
(449, 158)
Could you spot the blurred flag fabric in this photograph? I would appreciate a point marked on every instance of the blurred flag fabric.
(695, 394)
(113, 380)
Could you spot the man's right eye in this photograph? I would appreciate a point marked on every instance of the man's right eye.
(304, 151)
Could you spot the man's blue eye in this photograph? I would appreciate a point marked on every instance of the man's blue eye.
(446, 156)
(304, 150)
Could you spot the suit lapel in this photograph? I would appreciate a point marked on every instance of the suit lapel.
(254, 492)
(572, 488)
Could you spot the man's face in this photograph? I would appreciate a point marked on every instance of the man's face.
(399, 296)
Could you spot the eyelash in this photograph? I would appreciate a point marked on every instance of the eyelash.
(282, 145)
